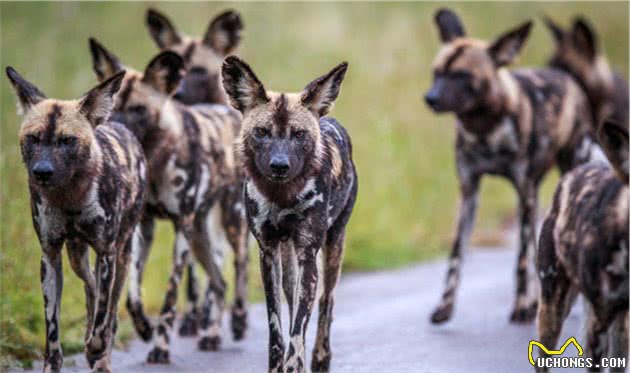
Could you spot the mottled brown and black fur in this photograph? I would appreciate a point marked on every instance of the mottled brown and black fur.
(87, 185)
(300, 189)
(191, 167)
(583, 249)
(578, 52)
(203, 56)
(202, 85)
(514, 124)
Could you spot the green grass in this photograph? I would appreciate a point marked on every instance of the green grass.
(404, 153)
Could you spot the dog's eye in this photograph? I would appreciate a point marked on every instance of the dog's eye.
(138, 109)
(261, 132)
(33, 139)
(299, 134)
(66, 141)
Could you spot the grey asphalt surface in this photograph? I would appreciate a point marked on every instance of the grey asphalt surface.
(381, 324)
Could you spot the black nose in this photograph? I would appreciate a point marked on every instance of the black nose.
(279, 165)
(431, 99)
(43, 170)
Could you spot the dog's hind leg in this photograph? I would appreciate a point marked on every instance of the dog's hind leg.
(189, 323)
(469, 186)
(141, 246)
(209, 244)
(235, 226)
(557, 294)
(619, 339)
(183, 233)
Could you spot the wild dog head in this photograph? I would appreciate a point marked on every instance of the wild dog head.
(57, 137)
(280, 138)
(577, 52)
(142, 97)
(614, 139)
(466, 71)
(203, 56)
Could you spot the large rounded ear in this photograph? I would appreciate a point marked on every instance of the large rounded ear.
(505, 49)
(614, 139)
(241, 85)
(556, 31)
(98, 103)
(28, 95)
(161, 29)
(584, 38)
(449, 25)
(164, 72)
(104, 63)
(224, 32)
(320, 94)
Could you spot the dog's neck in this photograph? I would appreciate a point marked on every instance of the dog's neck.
(502, 100)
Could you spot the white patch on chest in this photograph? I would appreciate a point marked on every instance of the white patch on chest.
(503, 137)
(269, 211)
(93, 208)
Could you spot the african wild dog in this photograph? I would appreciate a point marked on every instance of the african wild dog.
(300, 189)
(578, 53)
(87, 184)
(190, 156)
(512, 124)
(583, 248)
(203, 57)
(202, 85)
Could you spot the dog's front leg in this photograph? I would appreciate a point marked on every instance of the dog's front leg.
(51, 276)
(303, 300)
(99, 340)
(469, 186)
(271, 272)
(526, 280)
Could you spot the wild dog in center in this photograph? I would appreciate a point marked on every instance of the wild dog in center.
(190, 156)
(203, 56)
(300, 189)
(583, 249)
(87, 181)
(578, 53)
(202, 85)
(515, 124)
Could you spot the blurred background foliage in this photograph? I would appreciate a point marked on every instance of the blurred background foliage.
(404, 153)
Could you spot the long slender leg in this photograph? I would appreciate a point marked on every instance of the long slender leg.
(333, 254)
(79, 260)
(469, 186)
(526, 281)
(596, 339)
(210, 256)
(619, 339)
(188, 326)
(235, 225)
(160, 352)
(141, 246)
(51, 276)
(270, 269)
(557, 294)
(100, 336)
(289, 273)
(303, 299)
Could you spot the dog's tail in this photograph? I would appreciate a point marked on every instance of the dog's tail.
(134, 295)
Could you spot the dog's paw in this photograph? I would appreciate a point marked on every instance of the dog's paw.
(239, 324)
(158, 356)
(524, 315)
(209, 343)
(189, 325)
(442, 314)
(320, 365)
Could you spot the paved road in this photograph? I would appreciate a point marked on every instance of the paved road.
(381, 325)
